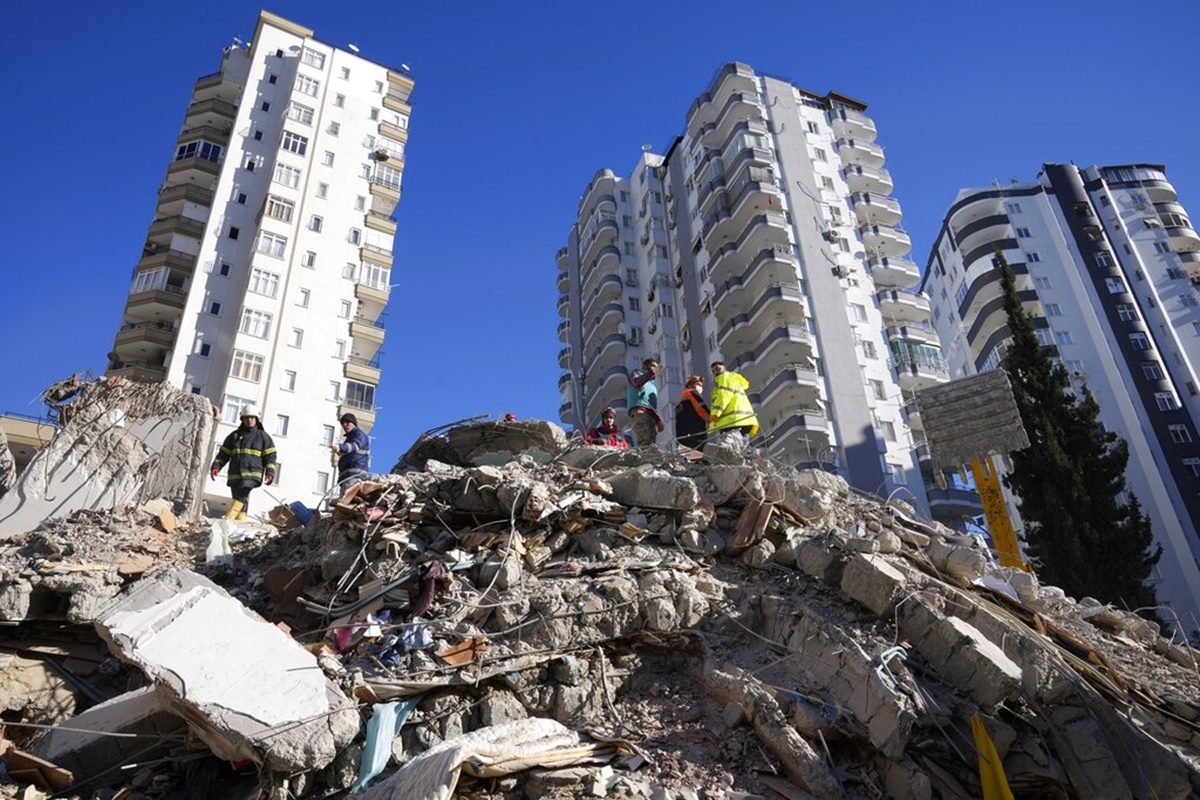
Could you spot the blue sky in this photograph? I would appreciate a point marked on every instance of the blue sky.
(516, 106)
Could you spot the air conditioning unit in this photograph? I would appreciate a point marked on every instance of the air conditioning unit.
(645, 238)
(841, 272)
(634, 340)
(831, 235)
(381, 155)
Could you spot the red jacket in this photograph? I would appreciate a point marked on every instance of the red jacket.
(607, 437)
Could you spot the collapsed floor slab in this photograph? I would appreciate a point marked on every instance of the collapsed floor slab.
(123, 442)
(245, 687)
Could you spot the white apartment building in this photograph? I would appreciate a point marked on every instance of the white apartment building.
(1107, 264)
(267, 266)
(765, 237)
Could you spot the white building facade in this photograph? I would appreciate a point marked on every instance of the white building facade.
(1107, 264)
(267, 266)
(765, 237)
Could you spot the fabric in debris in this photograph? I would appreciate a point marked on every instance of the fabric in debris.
(384, 726)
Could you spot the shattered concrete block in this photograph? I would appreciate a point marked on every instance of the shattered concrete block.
(907, 781)
(8, 465)
(15, 596)
(246, 688)
(84, 745)
(871, 581)
(475, 491)
(1025, 584)
(962, 654)
(889, 542)
(501, 571)
(124, 441)
(494, 442)
(914, 538)
(818, 558)
(1085, 755)
(648, 487)
(498, 706)
(962, 562)
(759, 554)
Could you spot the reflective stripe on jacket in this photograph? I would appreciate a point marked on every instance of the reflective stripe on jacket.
(730, 404)
(691, 414)
(250, 452)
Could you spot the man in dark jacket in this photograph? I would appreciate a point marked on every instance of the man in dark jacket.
(250, 453)
(354, 453)
(691, 415)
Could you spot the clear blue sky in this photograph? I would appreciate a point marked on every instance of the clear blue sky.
(516, 106)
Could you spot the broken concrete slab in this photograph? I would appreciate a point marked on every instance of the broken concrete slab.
(246, 688)
(123, 442)
(498, 442)
(649, 487)
(85, 745)
(871, 581)
(8, 465)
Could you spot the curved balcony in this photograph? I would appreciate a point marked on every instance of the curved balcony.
(765, 231)
(913, 414)
(777, 306)
(885, 240)
(951, 504)
(1183, 239)
(605, 180)
(851, 124)
(868, 179)
(918, 332)
(604, 234)
(565, 413)
(789, 386)
(563, 281)
(607, 263)
(739, 107)
(980, 231)
(173, 199)
(609, 390)
(732, 78)
(914, 375)
(893, 272)
(211, 112)
(801, 438)
(774, 266)
(138, 371)
(564, 357)
(564, 330)
(608, 354)
(564, 382)
(165, 301)
(857, 151)
(561, 259)
(564, 305)
(902, 307)
(610, 318)
(136, 339)
(610, 289)
(787, 344)
(870, 207)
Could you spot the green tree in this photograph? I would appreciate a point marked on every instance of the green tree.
(1071, 477)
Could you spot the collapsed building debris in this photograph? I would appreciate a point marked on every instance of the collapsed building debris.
(8, 465)
(122, 443)
(531, 618)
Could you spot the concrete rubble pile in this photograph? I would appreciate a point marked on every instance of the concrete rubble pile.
(512, 615)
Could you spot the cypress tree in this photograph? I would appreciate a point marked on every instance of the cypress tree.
(1071, 478)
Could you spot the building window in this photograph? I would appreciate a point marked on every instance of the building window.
(224, 270)
(214, 308)
(1063, 337)
(335, 391)
(339, 100)
(258, 136)
(266, 107)
(1126, 312)
(327, 159)
(1165, 401)
(246, 366)
(344, 309)
(334, 129)
(272, 244)
(349, 271)
(1114, 285)
(877, 389)
(1179, 434)
(286, 175)
(1192, 465)
(869, 349)
(232, 408)
(1012, 208)
(355, 236)
(339, 348)
(280, 209)
(309, 259)
(272, 79)
(201, 149)
(1044, 336)
(374, 275)
(1162, 247)
(322, 482)
(1188, 300)
(378, 87)
(300, 113)
(827, 183)
(312, 58)
(289, 380)
(1138, 341)
(315, 223)
(1053, 310)
(1032, 257)
(327, 434)
(1103, 259)
(889, 431)
(812, 127)
(303, 297)
(819, 154)
(281, 424)
(374, 114)
(1152, 371)
(859, 311)
(345, 73)
(360, 203)
(360, 395)
(241, 198)
(667, 310)
(234, 231)
(635, 303)
(388, 177)
(205, 350)
(1042, 282)
(1176, 274)
(294, 143)
(1023, 233)
(307, 85)
(322, 190)
(263, 282)
(256, 323)
(297, 338)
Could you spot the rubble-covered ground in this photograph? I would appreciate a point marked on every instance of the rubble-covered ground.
(516, 616)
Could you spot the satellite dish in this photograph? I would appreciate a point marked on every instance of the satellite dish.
(646, 148)
(353, 48)
(405, 67)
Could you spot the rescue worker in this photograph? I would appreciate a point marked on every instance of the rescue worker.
(731, 411)
(691, 414)
(641, 398)
(250, 453)
(607, 434)
(354, 453)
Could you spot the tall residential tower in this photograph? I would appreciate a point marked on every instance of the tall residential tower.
(766, 237)
(267, 265)
(1107, 264)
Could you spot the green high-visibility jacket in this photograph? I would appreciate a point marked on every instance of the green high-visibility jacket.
(730, 407)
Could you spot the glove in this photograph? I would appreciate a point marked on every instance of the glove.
(269, 479)
(213, 472)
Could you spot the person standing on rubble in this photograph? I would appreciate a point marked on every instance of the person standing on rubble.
(354, 453)
(731, 411)
(641, 398)
(250, 453)
(691, 414)
(607, 434)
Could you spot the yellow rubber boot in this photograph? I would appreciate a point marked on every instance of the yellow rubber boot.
(235, 510)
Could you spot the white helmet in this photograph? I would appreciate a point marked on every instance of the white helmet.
(249, 411)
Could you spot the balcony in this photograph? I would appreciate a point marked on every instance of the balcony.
(604, 233)
(363, 370)
(193, 170)
(903, 307)
(139, 371)
(564, 357)
(211, 112)
(166, 301)
(914, 375)
(789, 386)
(913, 414)
(893, 272)
(563, 281)
(565, 412)
(564, 304)
(751, 192)
(217, 134)
(393, 131)
(608, 354)
(138, 336)
(732, 78)
(951, 504)
(385, 223)
(173, 199)
(561, 259)
(739, 107)
(778, 306)
(773, 267)
(157, 257)
(851, 124)
(861, 153)
(885, 240)
(981, 231)
(603, 182)
(918, 332)
(367, 334)
(801, 438)
(868, 179)
(765, 231)
(385, 195)
(163, 230)
(607, 263)
(609, 290)
(875, 208)
(372, 296)
(610, 318)
(1183, 238)
(364, 412)
(564, 331)
(564, 382)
